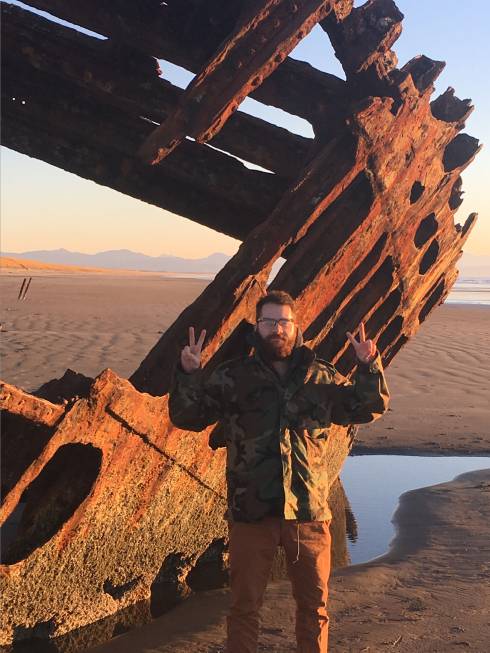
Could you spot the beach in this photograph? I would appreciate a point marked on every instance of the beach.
(430, 591)
(90, 321)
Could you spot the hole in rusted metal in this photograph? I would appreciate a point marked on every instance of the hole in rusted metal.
(384, 312)
(390, 333)
(21, 443)
(416, 192)
(394, 349)
(426, 229)
(434, 296)
(429, 258)
(51, 499)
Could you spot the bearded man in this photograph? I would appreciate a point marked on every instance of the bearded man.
(276, 407)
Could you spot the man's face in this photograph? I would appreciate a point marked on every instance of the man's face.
(276, 338)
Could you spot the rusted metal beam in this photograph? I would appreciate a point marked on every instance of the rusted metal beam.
(58, 124)
(122, 77)
(261, 40)
(149, 26)
(363, 37)
(40, 411)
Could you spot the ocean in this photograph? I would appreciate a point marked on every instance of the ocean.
(466, 290)
(470, 290)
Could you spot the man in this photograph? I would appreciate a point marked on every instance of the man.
(276, 407)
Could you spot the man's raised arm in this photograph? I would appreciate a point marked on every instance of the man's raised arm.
(193, 403)
(367, 397)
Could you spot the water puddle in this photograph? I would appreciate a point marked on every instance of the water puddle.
(374, 483)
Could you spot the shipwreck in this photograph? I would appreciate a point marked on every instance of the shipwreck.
(113, 496)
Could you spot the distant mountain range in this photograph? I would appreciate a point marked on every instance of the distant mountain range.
(470, 265)
(124, 259)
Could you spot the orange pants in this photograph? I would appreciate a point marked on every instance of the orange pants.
(252, 550)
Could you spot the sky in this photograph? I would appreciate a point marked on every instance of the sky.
(43, 207)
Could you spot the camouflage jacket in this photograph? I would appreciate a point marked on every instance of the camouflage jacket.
(277, 431)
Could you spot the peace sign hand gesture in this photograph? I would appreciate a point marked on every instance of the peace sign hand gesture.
(365, 349)
(190, 357)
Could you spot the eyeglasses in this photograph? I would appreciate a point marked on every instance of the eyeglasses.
(270, 323)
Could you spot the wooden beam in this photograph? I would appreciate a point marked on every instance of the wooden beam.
(261, 40)
(148, 26)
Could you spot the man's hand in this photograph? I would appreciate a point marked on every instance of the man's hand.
(365, 349)
(190, 358)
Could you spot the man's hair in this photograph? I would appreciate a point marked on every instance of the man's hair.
(274, 297)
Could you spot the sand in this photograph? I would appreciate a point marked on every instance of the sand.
(439, 384)
(431, 592)
(86, 322)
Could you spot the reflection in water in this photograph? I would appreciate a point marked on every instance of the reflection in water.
(374, 484)
(350, 524)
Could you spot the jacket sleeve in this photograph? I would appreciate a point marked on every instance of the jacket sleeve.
(365, 399)
(193, 402)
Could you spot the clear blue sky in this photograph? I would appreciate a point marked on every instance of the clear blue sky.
(43, 207)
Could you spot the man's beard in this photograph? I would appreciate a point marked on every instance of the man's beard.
(275, 347)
